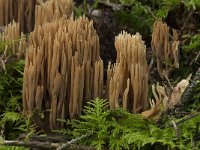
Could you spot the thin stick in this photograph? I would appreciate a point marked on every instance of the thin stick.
(32, 144)
(176, 129)
(63, 146)
(149, 10)
(197, 56)
(168, 82)
(185, 119)
(45, 145)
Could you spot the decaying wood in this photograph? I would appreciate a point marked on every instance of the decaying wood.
(178, 91)
(54, 141)
(46, 145)
(66, 145)
(163, 102)
(32, 144)
(185, 98)
(187, 94)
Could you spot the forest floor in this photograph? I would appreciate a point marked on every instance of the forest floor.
(110, 19)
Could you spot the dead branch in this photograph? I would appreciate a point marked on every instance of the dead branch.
(31, 144)
(66, 145)
(45, 145)
(176, 129)
(187, 94)
(185, 119)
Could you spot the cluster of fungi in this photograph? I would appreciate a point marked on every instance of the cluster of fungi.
(63, 69)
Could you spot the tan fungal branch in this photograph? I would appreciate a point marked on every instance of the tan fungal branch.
(165, 48)
(21, 11)
(12, 41)
(129, 76)
(62, 69)
(52, 9)
(29, 13)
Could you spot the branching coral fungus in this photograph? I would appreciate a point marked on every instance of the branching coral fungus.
(12, 41)
(62, 69)
(165, 48)
(27, 12)
(128, 78)
(22, 11)
(52, 9)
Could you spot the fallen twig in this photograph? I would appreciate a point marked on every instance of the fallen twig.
(176, 129)
(32, 144)
(185, 119)
(197, 57)
(63, 146)
(46, 142)
(45, 145)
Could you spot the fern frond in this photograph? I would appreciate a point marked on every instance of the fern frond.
(11, 116)
(119, 129)
(93, 121)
